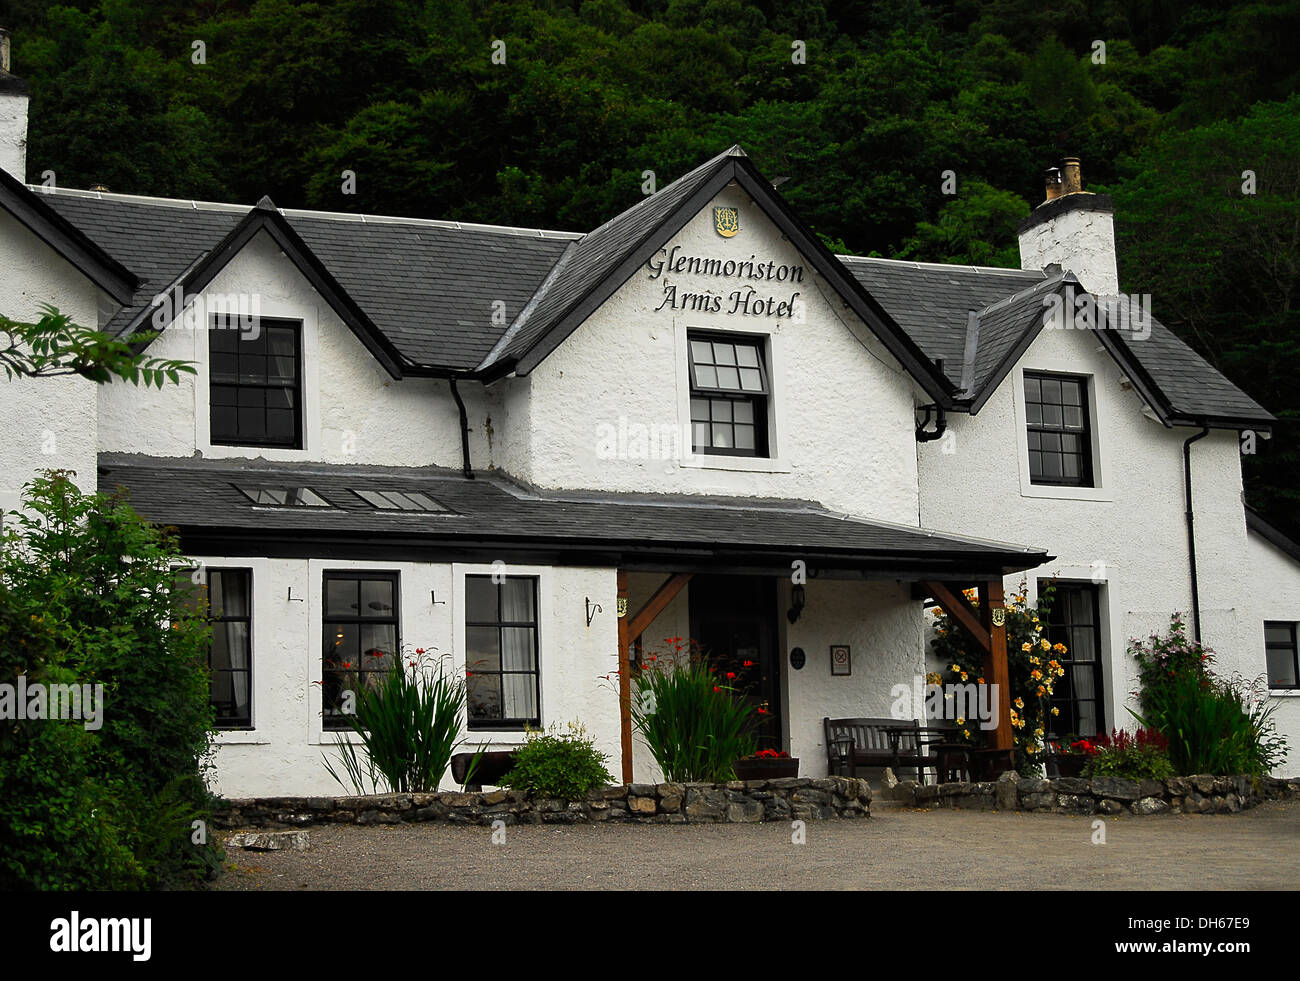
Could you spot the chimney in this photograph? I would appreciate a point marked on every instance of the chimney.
(13, 115)
(1074, 229)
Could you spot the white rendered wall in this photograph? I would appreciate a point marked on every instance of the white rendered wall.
(354, 412)
(282, 754)
(842, 407)
(1128, 535)
(1082, 242)
(1275, 591)
(13, 135)
(49, 423)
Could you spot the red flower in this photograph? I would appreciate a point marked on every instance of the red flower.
(469, 674)
(730, 675)
(716, 688)
(419, 650)
(347, 664)
(762, 711)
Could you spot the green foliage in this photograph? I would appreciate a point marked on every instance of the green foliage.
(1142, 756)
(1032, 667)
(407, 725)
(98, 581)
(54, 345)
(1213, 725)
(696, 728)
(560, 763)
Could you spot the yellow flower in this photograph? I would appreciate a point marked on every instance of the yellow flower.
(1032, 749)
(1035, 674)
(936, 611)
(1026, 646)
(956, 667)
(1059, 648)
(1019, 703)
(966, 733)
(963, 676)
(979, 681)
(1034, 660)
(1041, 691)
(961, 722)
(1044, 644)
(1056, 711)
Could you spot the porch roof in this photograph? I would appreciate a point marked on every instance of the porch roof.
(495, 516)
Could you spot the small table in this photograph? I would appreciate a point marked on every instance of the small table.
(952, 762)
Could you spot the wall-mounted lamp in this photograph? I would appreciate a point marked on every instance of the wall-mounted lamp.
(592, 609)
(796, 603)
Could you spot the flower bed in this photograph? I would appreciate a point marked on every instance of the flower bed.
(1202, 794)
(735, 802)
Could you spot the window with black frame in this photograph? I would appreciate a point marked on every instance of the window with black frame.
(1280, 654)
(1060, 443)
(360, 638)
(729, 393)
(255, 380)
(502, 679)
(225, 598)
(1075, 621)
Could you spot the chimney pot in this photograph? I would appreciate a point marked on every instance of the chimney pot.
(1073, 183)
(1052, 182)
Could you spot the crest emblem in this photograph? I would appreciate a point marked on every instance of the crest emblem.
(999, 616)
(622, 607)
(726, 221)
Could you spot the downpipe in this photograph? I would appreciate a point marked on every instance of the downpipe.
(1191, 529)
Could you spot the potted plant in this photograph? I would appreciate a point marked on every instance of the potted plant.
(1070, 762)
(767, 764)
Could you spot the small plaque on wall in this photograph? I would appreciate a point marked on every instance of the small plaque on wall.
(841, 661)
(797, 659)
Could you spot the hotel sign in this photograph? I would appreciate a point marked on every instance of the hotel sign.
(745, 299)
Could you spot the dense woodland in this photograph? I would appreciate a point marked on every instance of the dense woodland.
(281, 96)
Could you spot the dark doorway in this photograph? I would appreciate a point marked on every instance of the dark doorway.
(733, 619)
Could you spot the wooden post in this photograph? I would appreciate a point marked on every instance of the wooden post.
(624, 678)
(996, 669)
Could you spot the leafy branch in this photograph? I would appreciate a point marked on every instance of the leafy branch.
(55, 345)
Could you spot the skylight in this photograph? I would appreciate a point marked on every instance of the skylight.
(391, 500)
(285, 497)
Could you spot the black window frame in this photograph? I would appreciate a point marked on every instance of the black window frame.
(202, 605)
(1087, 474)
(338, 722)
(265, 325)
(503, 724)
(1058, 630)
(1290, 627)
(758, 401)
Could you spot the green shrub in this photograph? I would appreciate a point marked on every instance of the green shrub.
(100, 582)
(1142, 756)
(695, 728)
(408, 724)
(564, 764)
(1213, 726)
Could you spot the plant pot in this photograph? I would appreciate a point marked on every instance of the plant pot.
(766, 769)
(1067, 764)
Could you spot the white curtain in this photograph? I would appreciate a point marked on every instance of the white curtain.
(519, 691)
(230, 642)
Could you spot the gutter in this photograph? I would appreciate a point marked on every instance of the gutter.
(1191, 530)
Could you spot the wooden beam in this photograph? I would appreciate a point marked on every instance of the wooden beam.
(664, 595)
(624, 679)
(955, 605)
(995, 663)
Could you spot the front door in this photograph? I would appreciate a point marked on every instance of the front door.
(733, 619)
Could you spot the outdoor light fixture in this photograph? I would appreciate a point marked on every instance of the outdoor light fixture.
(796, 603)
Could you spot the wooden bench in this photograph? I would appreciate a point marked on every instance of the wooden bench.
(492, 766)
(851, 743)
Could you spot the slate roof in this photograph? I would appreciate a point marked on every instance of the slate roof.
(201, 498)
(428, 289)
(428, 286)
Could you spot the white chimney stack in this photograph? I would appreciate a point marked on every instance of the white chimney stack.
(13, 115)
(1073, 228)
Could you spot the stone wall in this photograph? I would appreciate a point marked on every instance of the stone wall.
(737, 802)
(1201, 794)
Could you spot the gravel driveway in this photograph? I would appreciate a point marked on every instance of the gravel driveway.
(895, 849)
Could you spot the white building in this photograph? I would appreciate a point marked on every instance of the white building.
(476, 439)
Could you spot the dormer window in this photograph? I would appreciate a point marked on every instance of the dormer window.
(256, 383)
(1060, 441)
(729, 393)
